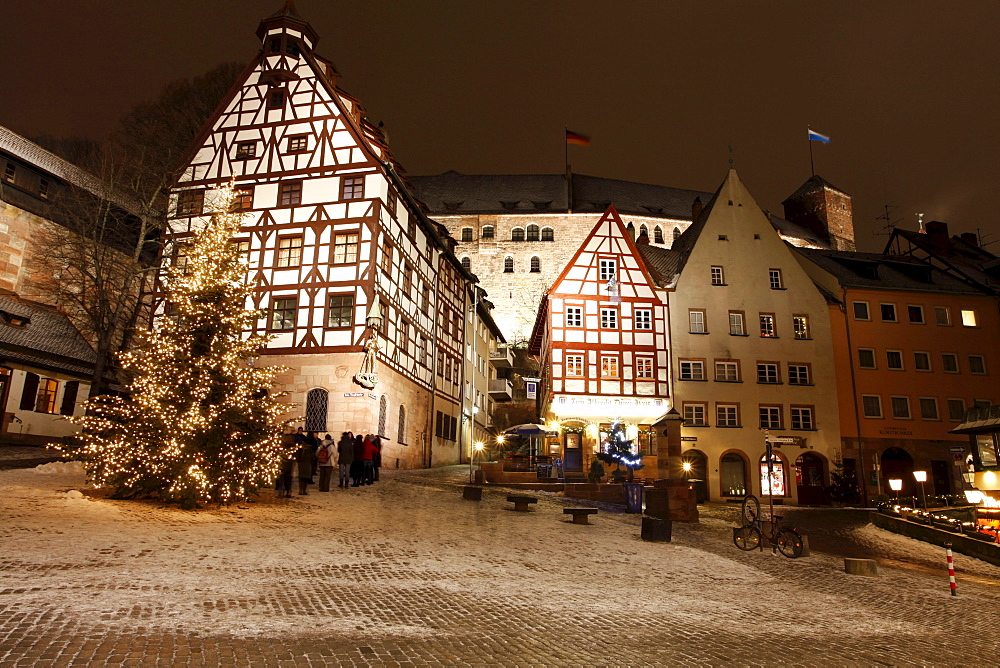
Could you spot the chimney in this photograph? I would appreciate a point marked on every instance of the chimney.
(937, 233)
(970, 238)
(696, 209)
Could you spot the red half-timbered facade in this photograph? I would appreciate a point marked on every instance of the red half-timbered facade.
(601, 337)
(331, 230)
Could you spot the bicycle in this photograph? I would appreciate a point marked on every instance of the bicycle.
(752, 534)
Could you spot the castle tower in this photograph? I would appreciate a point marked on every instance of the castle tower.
(824, 209)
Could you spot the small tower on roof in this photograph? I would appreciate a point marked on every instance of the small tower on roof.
(824, 209)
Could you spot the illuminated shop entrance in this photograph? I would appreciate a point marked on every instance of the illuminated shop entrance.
(733, 475)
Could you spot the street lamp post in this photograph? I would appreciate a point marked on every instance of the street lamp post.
(476, 448)
(921, 477)
(896, 484)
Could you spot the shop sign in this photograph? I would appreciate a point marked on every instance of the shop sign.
(689, 438)
(624, 407)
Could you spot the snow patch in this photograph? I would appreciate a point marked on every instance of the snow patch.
(75, 495)
(60, 468)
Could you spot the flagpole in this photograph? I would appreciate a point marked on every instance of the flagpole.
(812, 167)
(569, 203)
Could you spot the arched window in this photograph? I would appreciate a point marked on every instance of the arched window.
(658, 234)
(466, 234)
(548, 234)
(317, 401)
(487, 232)
(775, 485)
(677, 233)
(536, 264)
(517, 234)
(643, 230)
(532, 232)
(401, 432)
(508, 265)
(630, 228)
(383, 413)
(466, 263)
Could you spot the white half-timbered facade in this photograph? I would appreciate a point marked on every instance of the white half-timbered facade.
(601, 337)
(331, 230)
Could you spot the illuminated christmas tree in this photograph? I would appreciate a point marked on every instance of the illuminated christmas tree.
(198, 424)
(617, 450)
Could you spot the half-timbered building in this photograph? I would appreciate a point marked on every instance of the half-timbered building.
(601, 337)
(332, 238)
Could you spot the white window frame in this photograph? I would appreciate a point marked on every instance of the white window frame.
(575, 363)
(737, 325)
(574, 316)
(898, 354)
(609, 366)
(697, 321)
(877, 405)
(775, 279)
(727, 415)
(931, 401)
(644, 368)
(609, 318)
(644, 319)
(695, 369)
(727, 371)
(802, 418)
(607, 268)
(904, 401)
(695, 414)
(718, 275)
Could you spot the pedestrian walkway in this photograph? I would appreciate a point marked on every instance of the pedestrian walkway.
(407, 573)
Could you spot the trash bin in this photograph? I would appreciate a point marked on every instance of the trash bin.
(633, 497)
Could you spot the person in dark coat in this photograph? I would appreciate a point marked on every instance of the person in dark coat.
(313, 442)
(345, 458)
(283, 484)
(305, 459)
(358, 467)
(368, 457)
(376, 457)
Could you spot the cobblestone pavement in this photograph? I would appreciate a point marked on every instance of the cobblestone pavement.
(407, 573)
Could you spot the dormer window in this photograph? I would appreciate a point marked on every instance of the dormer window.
(14, 320)
(275, 45)
(510, 205)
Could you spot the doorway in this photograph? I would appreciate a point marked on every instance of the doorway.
(897, 464)
(809, 475)
(572, 453)
(941, 476)
(733, 475)
(696, 471)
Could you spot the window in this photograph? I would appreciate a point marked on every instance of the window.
(894, 360)
(275, 45)
(190, 202)
(517, 234)
(767, 328)
(692, 370)
(956, 410)
(871, 405)
(643, 318)
(424, 354)
(290, 194)
(774, 279)
(180, 259)
(246, 150)
(677, 233)
(292, 49)
(767, 373)
(574, 316)
(608, 269)
(643, 230)
(942, 315)
(929, 408)
(45, 400)
(949, 362)
(718, 278)
(802, 417)
(574, 365)
(340, 312)
(386, 259)
(297, 143)
(658, 235)
(977, 364)
(968, 318)
(609, 367)
(727, 371)
(861, 311)
(532, 233)
(736, 325)
(727, 415)
(345, 248)
(276, 99)
(915, 314)
(353, 187)
(466, 234)
(866, 358)
(644, 367)
(466, 263)
(317, 409)
(922, 361)
(508, 265)
(283, 313)
(243, 198)
(888, 312)
(70, 391)
(609, 318)
(408, 278)
(696, 320)
(391, 203)
(800, 323)
(799, 374)
(425, 298)
(289, 251)
(404, 339)
(487, 232)
(536, 265)
(401, 428)
(43, 191)
(900, 407)
(694, 415)
(9, 172)
(770, 417)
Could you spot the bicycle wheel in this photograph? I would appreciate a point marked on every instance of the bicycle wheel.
(747, 538)
(750, 509)
(790, 543)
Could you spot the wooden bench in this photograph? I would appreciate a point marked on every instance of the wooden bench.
(580, 515)
(521, 502)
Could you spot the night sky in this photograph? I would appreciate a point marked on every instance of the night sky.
(908, 91)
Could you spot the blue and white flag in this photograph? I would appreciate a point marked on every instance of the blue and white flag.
(815, 136)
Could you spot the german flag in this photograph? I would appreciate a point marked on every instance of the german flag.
(577, 138)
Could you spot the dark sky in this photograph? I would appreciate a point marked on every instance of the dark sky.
(908, 91)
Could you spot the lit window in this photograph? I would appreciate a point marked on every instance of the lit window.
(608, 269)
(466, 234)
(770, 417)
(692, 370)
(45, 400)
(353, 187)
(643, 367)
(942, 315)
(246, 149)
(727, 372)
(802, 417)
(767, 328)
(283, 313)
(866, 358)
(694, 415)
(290, 194)
(609, 318)
(900, 407)
(345, 248)
(968, 318)
(922, 361)
(696, 319)
(643, 318)
(915, 314)
(574, 316)
(977, 364)
(298, 143)
(767, 372)
(727, 415)
(929, 408)
(798, 374)
(341, 311)
(888, 312)
(871, 405)
(894, 360)
(736, 325)
(609, 367)
(774, 279)
(861, 311)
(949, 362)
(243, 249)
(574, 365)
(718, 278)
(243, 198)
(801, 325)
(289, 252)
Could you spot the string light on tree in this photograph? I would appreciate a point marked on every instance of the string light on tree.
(618, 451)
(197, 423)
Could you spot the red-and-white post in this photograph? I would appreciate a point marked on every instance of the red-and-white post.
(951, 570)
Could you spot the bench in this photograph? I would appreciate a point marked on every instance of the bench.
(521, 502)
(580, 515)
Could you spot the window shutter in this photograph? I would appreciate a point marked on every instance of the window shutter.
(69, 397)
(30, 392)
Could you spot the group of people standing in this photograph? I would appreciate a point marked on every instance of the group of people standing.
(358, 459)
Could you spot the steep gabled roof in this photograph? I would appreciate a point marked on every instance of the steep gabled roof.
(40, 336)
(814, 182)
(885, 272)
